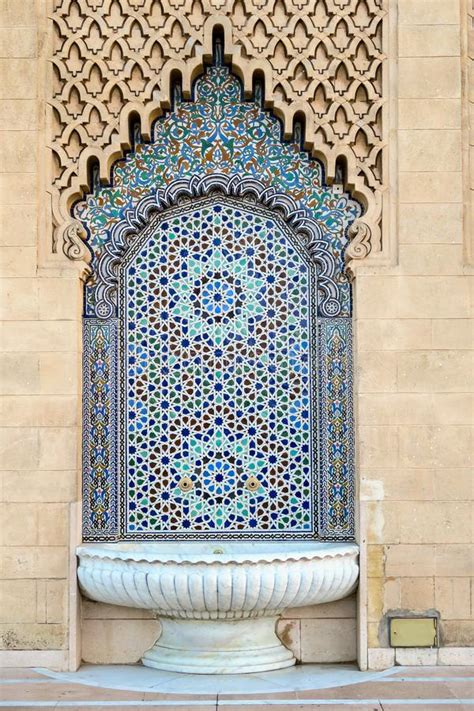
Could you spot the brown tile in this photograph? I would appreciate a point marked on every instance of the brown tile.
(183, 707)
(46, 691)
(113, 708)
(284, 695)
(305, 707)
(374, 706)
(421, 707)
(80, 692)
(50, 690)
(340, 692)
(258, 707)
(157, 696)
(461, 689)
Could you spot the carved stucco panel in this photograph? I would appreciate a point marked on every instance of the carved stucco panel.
(320, 59)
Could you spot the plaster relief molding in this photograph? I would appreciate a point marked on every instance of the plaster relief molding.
(359, 247)
(113, 59)
(74, 242)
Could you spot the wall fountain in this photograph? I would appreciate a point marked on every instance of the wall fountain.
(218, 456)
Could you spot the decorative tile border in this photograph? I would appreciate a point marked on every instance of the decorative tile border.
(100, 480)
(336, 439)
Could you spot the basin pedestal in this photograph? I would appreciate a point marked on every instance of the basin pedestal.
(219, 647)
(218, 605)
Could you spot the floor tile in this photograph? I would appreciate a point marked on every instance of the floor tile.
(289, 695)
(19, 673)
(461, 689)
(444, 688)
(381, 690)
(440, 671)
(431, 706)
(303, 707)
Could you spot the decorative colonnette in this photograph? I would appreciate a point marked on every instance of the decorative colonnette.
(219, 129)
(99, 428)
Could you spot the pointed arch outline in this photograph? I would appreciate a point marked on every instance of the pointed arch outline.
(307, 230)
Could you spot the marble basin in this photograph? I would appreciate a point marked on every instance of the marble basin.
(218, 602)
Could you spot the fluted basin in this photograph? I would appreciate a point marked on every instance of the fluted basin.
(218, 603)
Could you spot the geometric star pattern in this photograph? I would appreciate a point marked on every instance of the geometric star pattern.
(217, 332)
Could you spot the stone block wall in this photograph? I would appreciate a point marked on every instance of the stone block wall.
(415, 365)
(413, 383)
(39, 343)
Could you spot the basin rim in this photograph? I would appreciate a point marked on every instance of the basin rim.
(274, 553)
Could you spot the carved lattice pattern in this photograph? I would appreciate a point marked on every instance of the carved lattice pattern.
(321, 59)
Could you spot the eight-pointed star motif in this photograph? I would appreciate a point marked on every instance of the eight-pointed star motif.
(221, 296)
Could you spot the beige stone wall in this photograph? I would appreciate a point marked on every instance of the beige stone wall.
(39, 359)
(413, 377)
(415, 366)
(467, 30)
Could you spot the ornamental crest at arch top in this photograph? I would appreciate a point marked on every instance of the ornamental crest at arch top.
(218, 141)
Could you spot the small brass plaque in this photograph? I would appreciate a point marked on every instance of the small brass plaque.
(413, 632)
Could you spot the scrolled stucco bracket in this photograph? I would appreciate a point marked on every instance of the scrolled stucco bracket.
(359, 247)
(76, 248)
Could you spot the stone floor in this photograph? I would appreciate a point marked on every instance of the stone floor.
(309, 687)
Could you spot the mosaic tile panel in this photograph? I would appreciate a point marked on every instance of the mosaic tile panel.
(217, 302)
(249, 430)
(100, 501)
